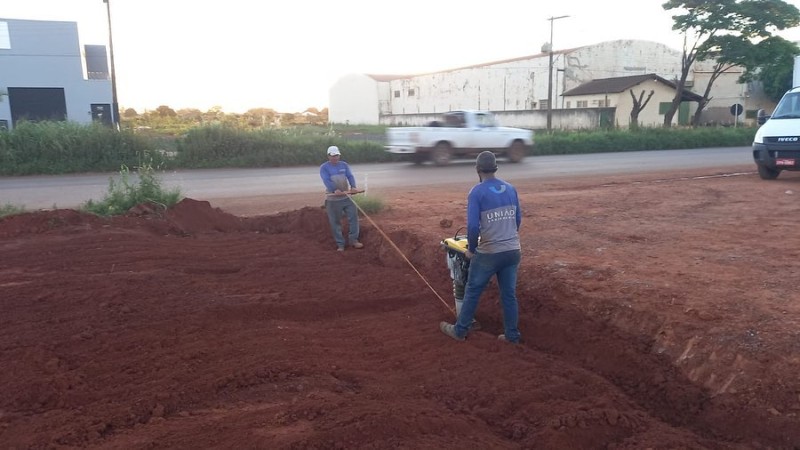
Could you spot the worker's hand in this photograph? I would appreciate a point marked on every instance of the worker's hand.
(468, 254)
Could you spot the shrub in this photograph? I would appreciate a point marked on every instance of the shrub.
(10, 210)
(369, 204)
(123, 195)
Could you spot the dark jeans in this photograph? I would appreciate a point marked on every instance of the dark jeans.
(482, 267)
(336, 209)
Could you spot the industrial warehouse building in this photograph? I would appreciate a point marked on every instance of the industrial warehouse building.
(592, 86)
(45, 74)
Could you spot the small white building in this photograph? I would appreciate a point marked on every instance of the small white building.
(45, 74)
(517, 88)
(650, 90)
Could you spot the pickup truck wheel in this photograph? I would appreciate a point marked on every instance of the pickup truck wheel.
(516, 152)
(441, 154)
(419, 158)
(766, 173)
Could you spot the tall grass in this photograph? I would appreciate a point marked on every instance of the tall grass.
(64, 147)
(68, 147)
(225, 146)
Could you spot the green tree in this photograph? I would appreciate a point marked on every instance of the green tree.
(772, 64)
(190, 115)
(165, 111)
(725, 31)
(213, 114)
(260, 117)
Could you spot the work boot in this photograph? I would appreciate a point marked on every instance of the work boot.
(502, 337)
(475, 325)
(450, 330)
(357, 244)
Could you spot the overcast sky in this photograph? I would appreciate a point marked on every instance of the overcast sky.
(285, 55)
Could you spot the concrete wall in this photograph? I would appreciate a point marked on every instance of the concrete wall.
(48, 54)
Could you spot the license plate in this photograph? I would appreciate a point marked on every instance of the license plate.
(784, 162)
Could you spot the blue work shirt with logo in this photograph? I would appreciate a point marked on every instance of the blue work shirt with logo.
(337, 176)
(494, 214)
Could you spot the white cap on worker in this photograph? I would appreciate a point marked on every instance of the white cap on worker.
(333, 150)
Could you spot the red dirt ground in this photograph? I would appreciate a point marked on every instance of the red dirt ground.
(657, 311)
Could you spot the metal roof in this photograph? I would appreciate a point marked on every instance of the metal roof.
(620, 84)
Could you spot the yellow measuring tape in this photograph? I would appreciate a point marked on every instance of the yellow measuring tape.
(389, 240)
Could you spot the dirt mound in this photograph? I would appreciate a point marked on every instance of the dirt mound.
(187, 217)
(196, 328)
(57, 221)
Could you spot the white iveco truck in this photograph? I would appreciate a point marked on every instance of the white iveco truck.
(776, 146)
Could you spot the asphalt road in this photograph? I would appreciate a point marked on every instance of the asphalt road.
(70, 191)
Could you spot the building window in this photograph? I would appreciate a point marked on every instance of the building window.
(582, 104)
(600, 103)
(569, 104)
(396, 94)
(5, 38)
(96, 62)
(543, 104)
(410, 92)
(663, 107)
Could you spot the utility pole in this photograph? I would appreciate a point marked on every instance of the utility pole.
(114, 102)
(550, 77)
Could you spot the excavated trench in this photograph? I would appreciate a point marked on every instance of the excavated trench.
(616, 351)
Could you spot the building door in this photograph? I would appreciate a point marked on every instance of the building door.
(683, 114)
(37, 104)
(607, 116)
(101, 113)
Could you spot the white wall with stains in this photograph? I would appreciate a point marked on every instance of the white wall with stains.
(521, 84)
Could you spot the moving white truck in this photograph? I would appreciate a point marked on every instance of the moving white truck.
(776, 146)
(462, 133)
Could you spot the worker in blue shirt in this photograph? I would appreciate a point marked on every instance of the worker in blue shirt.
(494, 215)
(339, 183)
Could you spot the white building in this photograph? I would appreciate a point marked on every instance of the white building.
(517, 89)
(45, 74)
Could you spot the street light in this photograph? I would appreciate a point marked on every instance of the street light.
(550, 77)
(114, 102)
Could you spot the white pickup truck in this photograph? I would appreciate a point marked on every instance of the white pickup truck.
(461, 133)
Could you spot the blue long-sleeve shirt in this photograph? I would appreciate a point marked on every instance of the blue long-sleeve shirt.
(494, 214)
(337, 176)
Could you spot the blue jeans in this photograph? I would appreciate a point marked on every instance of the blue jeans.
(336, 209)
(482, 267)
